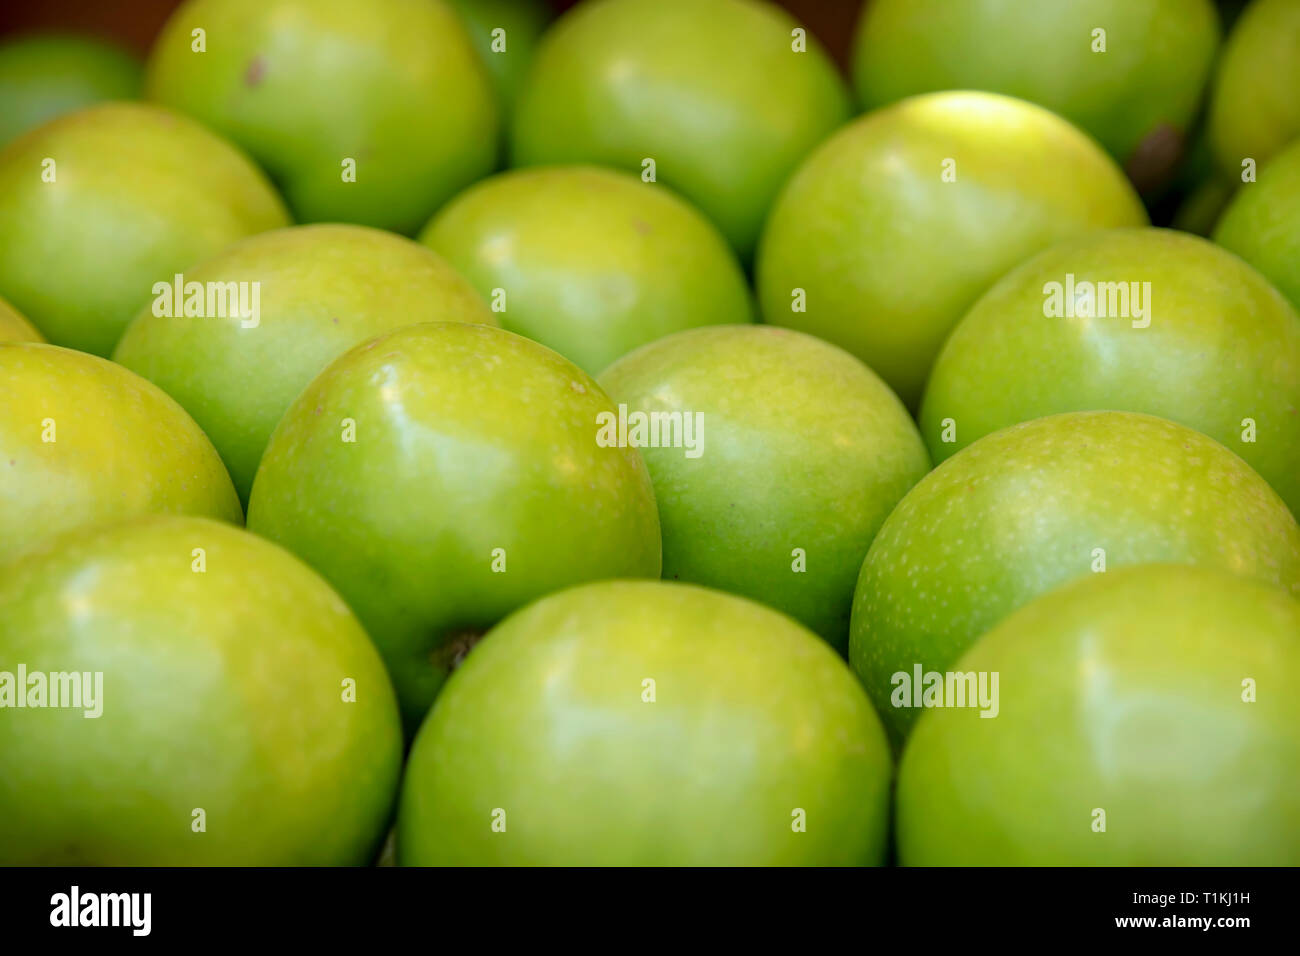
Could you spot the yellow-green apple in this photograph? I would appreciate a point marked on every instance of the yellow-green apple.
(372, 113)
(775, 458)
(98, 205)
(589, 261)
(441, 476)
(720, 99)
(896, 225)
(1144, 717)
(647, 723)
(14, 328)
(504, 34)
(1032, 506)
(310, 294)
(1140, 320)
(1263, 223)
(46, 75)
(1130, 72)
(84, 441)
(181, 692)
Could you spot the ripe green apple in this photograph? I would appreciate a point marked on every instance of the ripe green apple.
(321, 290)
(507, 55)
(1146, 717)
(647, 723)
(896, 225)
(1201, 338)
(14, 328)
(1254, 106)
(589, 261)
(1035, 505)
(441, 476)
(1135, 86)
(373, 113)
(84, 441)
(799, 454)
(98, 205)
(240, 715)
(1263, 223)
(47, 75)
(725, 96)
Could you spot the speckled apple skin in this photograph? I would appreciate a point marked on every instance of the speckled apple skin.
(121, 448)
(1262, 225)
(620, 81)
(1022, 510)
(323, 289)
(803, 447)
(305, 84)
(468, 439)
(15, 328)
(1123, 692)
(222, 690)
(889, 256)
(752, 718)
(140, 193)
(1222, 346)
(592, 262)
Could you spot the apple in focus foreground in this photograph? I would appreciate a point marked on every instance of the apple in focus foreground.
(647, 723)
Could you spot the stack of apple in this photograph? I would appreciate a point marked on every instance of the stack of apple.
(588, 442)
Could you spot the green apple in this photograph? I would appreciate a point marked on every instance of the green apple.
(47, 75)
(791, 455)
(1263, 223)
(372, 113)
(647, 723)
(897, 224)
(1130, 72)
(1145, 717)
(15, 328)
(504, 34)
(98, 205)
(320, 291)
(239, 715)
(1140, 320)
(590, 262)
(1035, 505)
(445, 474)
(724, 96)
(1254, 106)
(84, 441)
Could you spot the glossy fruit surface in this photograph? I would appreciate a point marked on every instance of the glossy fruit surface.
(643, 723)
(1263, 223)
(1176, 328)
(870, 248)
(389, 92)
(135, 194)
(1030, 507)
(712, 90)
(590, 262)
(243, 716)
(1144, 719)
(84, 442)
(320, 291)
(800, 452)
(443, 475)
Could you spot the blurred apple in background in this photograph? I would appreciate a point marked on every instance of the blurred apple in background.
(1146, 717)
(1201, 339)
(895, 225)
(443, 475)
(244, 718)
(389, 93)
(98, 205)
(1038, 504)
(322, 290)
(14, 328)
(84, 441)
(1135, 86)
(800, 454)
(505, 35)
(46, 75)
(589, 261)
(716, 92)
(638, 723)
(1263, 223)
